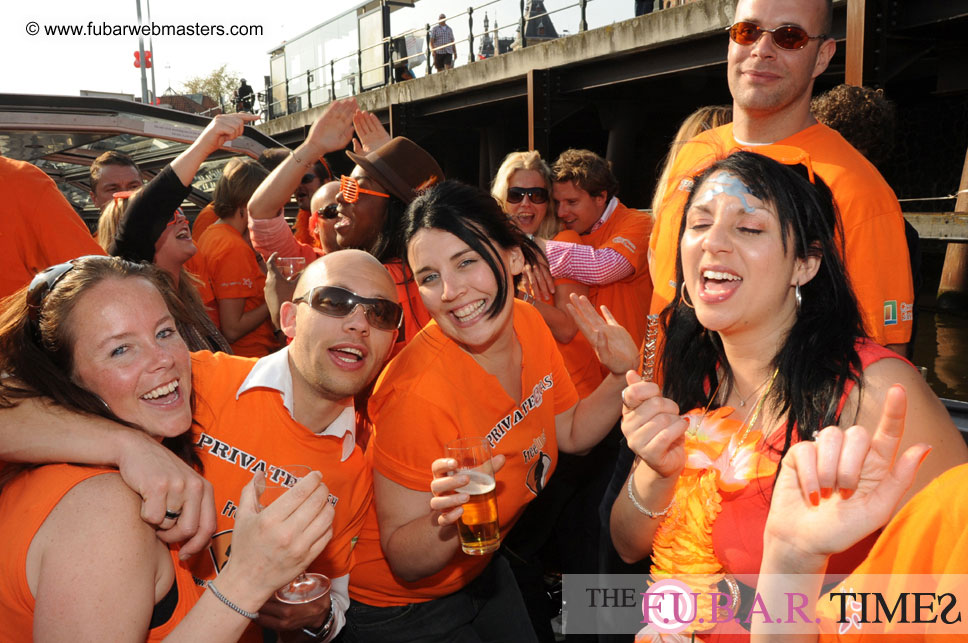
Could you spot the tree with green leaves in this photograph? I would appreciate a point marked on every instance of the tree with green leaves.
(220, 85)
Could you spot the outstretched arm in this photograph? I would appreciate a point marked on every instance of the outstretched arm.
(39, 431)
(331, 132)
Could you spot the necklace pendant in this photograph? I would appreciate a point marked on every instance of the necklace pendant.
(742, 402)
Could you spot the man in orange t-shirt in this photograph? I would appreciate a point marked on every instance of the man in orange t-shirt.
(771, 88)
(612, 259)
(292, 407)
(38, 229)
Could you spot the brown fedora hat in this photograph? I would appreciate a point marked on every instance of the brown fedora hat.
(401, 166)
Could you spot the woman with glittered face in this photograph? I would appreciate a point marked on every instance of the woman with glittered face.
(765, 343)
(485, 356)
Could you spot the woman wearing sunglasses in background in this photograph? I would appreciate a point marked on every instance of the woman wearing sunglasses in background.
(765, 344)
(370, 203)
(146, 225)
(484, 357)
(98, 335)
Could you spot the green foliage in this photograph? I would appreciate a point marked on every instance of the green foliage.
(218, 83)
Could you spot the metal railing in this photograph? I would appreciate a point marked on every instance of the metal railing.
(279, 99)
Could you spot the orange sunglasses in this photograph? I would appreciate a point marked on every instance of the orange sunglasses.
(350, 188)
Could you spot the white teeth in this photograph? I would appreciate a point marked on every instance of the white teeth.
(468, 311)
(161, 390)
(352, 351)
(720, 276)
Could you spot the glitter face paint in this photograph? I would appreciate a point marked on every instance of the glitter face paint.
(723, 182)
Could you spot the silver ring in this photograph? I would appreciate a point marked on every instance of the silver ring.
(627, 405)
(172, 514)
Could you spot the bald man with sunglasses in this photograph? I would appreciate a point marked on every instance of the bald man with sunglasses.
(777, 48)
(292, 407)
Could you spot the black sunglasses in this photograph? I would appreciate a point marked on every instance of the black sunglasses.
(334, 301)
(785, 36)
(537, 195)
(44, 283)
(328, 212)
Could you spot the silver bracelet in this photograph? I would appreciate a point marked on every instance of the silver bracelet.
(221, 597)
(638, 505)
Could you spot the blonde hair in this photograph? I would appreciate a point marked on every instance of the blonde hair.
(107, 224)
(238, 182)
(533, 162)
(704, 118)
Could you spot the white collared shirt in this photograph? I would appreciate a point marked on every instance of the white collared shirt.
(273, 372)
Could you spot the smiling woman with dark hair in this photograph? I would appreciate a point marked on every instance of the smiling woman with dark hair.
(484, 357)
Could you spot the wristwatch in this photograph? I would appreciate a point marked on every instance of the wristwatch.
(322, 631)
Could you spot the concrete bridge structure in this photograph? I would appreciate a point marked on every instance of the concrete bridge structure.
(621, 90)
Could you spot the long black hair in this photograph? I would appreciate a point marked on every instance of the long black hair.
(819, 355)
(476, 218)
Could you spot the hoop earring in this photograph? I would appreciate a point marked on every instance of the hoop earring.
(682, 297)
(798, 297)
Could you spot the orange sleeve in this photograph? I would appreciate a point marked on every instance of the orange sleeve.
(631, 237)
(879, 266)
(411, 431)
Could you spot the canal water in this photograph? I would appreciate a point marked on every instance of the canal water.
(941, 338)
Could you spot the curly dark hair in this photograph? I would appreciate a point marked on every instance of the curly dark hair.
(863, 116)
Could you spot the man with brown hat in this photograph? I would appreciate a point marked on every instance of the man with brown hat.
(371, 200)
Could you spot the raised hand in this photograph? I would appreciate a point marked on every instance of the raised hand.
(272, 546)
(333, 130)
(277, 290)
(224, 128)
(833, 492)
(612, 343)
(652, 426)
(370, 133)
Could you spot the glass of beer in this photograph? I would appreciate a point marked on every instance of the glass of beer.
(478, 526)
(290, 267)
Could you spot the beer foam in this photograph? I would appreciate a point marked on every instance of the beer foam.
(480, 483)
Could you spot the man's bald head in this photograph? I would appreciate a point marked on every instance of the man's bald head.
(343, 268)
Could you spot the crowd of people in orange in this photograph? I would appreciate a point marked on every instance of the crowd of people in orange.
(714, 389)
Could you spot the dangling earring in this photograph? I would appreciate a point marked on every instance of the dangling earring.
(682, 296)
(796, 295)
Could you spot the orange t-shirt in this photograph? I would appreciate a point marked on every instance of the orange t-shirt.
(579, 356)
(230, 266)
(876, 253)
(435, 392)
(239, 437)
(626, 231)
(38, 229)
(25, 503)
(204, 219)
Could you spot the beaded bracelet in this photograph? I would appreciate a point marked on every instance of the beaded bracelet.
(221, 597)
(638, 505)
